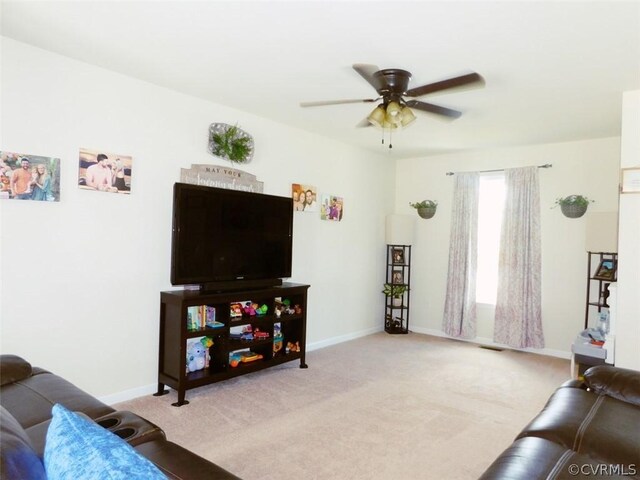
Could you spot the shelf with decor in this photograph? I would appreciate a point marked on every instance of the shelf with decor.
(276, 315)
(397, 289)
(601, 273)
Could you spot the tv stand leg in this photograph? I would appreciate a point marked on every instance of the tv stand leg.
(161, 390)
(303, 365)
(181, 401)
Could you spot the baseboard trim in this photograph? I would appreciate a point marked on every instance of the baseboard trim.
(490, 343)
(129, 394)
(150, 389)
(342, 338)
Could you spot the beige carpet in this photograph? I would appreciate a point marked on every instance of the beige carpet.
(379, 407)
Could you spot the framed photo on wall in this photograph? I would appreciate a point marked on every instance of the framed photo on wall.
(606, 270)
(630, 180)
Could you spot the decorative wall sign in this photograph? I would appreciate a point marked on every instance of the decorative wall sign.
(29, 177)
(104, 172)
(221, 177)
(304, 197)
(332, 208)
(230, 142)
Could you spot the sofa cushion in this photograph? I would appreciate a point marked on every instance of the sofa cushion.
(529, 458)
(13, 368)
(178, 463)
(17, 458)
(30, 400)
(596, 425)
(79, 448)
(619, 383)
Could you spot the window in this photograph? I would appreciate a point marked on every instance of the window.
(490, 207)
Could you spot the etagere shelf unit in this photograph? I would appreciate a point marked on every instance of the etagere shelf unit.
(396, 315)
(601, 272)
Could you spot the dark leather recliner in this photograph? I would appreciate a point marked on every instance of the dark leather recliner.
(588, 429)
(27, 395)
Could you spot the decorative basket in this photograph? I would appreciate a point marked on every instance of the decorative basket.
(573, 211)
(427, 212)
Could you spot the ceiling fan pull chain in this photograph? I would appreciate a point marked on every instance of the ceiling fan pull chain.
(390, 132)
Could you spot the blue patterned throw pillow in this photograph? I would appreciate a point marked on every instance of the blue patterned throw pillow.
(77, 448)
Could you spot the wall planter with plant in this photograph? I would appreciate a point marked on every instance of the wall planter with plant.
(573, 206)
(230, 142)
(425, 208)
(395, 292)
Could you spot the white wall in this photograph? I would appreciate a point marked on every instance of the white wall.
(81, 278)
(628, 320)
(588, 167)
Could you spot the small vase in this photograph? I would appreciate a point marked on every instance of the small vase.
(396, 301)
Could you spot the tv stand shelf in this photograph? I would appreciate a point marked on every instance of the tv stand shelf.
(176, 332)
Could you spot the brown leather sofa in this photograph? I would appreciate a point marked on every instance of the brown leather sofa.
(27, 395)
(588, 429)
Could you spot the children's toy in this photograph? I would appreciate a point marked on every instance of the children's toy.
(246, 357)
(247, 333)
(234, 359)
(249, 309)
(235, 310)
(196, 356)
(278, 310)
(206, 342)
(297, 309)
(262, 310)
(258, 335)
(293, 347)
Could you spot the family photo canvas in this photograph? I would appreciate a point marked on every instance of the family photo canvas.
(104, 171)
(25, 176)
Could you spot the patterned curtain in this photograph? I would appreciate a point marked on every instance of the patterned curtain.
(518, 319)
(460, 304)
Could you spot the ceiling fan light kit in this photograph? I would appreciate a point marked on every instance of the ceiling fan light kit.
(392, 85)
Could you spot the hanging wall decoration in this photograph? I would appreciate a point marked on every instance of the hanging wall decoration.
(304, 197)
(230, 142)
(332, 208)
(104, 171)
(221, 177)
(29, 177)
(573, 206)
(425, 208)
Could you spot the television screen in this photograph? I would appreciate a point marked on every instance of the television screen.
(222, 235)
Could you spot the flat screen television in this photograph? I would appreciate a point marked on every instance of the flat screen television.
(225, 239)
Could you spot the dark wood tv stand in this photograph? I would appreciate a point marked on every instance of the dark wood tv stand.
(177, 307)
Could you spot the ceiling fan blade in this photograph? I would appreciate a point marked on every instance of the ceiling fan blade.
(368, 73)
(364, 123)
(336, 102)
(463, 80)
(431, 108)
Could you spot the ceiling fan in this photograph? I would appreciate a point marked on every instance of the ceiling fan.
(392, 85)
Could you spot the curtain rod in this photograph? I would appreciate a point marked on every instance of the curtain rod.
(546, 165)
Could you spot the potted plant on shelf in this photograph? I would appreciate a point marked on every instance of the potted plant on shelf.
(573, 206)
(425, 208)
(394, 291)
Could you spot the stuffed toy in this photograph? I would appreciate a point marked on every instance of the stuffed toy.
(196, 355)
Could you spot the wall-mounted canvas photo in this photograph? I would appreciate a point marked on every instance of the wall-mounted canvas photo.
(29, 177)
(332, 208)
(104, 171)
(304, 197)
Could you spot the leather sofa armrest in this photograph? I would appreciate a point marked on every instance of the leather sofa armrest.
(619, 383)
(13, 369)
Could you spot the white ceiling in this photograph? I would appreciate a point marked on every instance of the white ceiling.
(554, 71)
